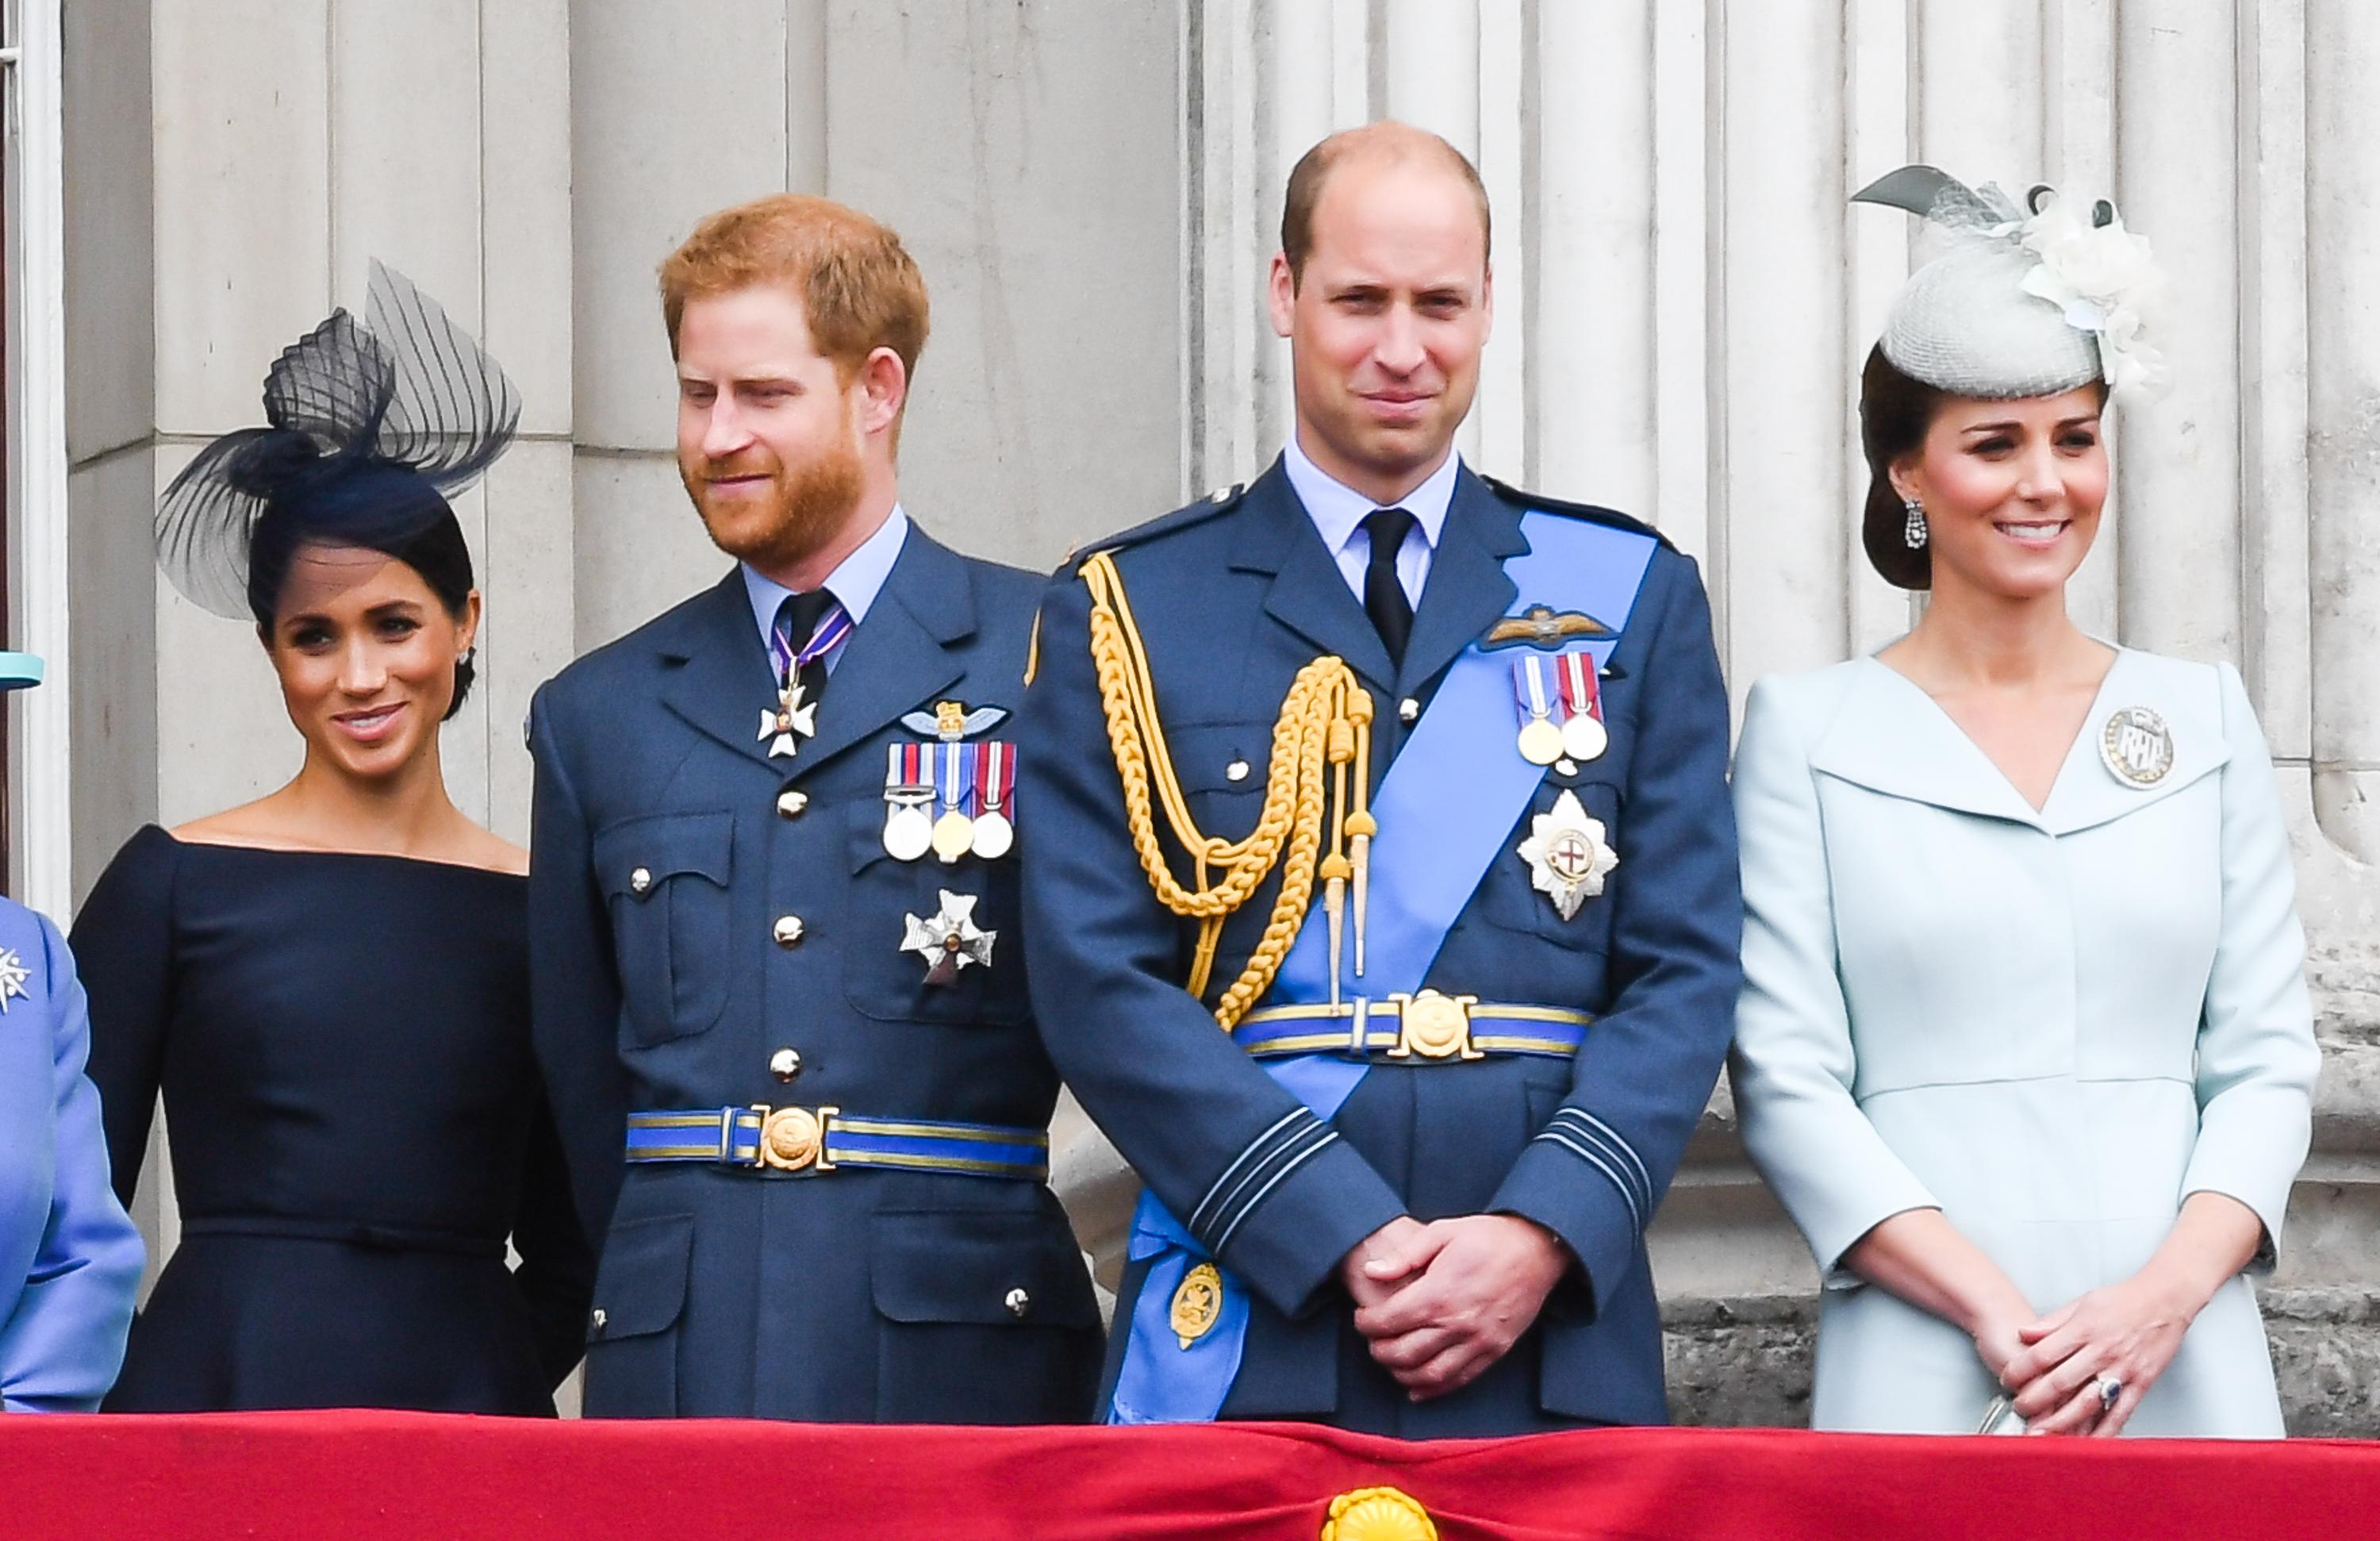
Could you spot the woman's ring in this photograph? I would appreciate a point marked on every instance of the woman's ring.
(2109, 1390)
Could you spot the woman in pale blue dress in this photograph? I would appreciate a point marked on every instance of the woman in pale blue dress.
(2024, 1045)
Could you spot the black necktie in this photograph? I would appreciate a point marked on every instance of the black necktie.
(798, 619)
(1384, 596)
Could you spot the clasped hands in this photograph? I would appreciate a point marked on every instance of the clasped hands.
(2052, 1369)
(1440, 1303)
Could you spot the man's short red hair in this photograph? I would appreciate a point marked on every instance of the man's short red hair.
(858, 284)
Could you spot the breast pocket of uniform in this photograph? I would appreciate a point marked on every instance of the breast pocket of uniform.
(1554, 843)
(664, 879)
(967, 909)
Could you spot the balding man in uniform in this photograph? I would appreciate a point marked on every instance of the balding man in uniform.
(1385, 910)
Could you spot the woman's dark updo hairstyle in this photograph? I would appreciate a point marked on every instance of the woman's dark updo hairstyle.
(1896, 413)
(411, 523)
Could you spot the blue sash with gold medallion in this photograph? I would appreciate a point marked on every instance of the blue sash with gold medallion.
(1433, 848)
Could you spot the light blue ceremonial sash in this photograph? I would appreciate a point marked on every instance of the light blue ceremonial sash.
(1432, 850)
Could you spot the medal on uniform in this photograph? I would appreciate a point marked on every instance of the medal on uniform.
(908, 793)
(1541, 740)
(1584, 737)
(995, 782)
(954, 830)
(1568, 855)
(13, 977)
(794, 718)
(950, 940)
(2137, 747)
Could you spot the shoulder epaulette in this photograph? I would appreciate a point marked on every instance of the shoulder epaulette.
(1222, 500)
(1594, 512)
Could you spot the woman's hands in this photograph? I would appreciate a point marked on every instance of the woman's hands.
(2124, 1334)
(2127, 1333)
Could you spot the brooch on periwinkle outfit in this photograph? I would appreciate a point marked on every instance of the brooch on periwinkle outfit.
(14, 976)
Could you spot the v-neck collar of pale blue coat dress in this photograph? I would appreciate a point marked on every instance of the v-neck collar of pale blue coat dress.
(1890, 736)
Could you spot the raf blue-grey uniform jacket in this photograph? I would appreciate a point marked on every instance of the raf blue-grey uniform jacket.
(69, 1259)
(847, 1295)
(1232, 598)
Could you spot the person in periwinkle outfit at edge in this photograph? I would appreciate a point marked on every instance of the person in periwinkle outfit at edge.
(70, 1258)
(2024, 1045)
(331, 984)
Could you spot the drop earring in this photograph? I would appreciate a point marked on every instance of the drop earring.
(1913, 530)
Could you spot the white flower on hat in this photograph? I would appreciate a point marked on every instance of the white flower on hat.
(2106, 282)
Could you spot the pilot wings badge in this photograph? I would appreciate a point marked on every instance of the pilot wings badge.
(1543, 627)
(1568, 855)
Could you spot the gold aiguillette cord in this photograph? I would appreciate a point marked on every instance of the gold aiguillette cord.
(1324, 725)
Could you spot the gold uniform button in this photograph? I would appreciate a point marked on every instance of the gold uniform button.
(790, 802)
(1409, 711)
(641, 881)
(1019, 1303)
(787, 930)
(785, 1064)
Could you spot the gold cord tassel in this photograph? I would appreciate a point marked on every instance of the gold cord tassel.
(1324, 730)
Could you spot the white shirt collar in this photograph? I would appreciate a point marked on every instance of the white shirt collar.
(856, 581)
(1338, 510)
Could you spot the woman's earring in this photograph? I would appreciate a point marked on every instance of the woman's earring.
(1913, 530)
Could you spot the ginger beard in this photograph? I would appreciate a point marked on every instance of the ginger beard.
(800, 511)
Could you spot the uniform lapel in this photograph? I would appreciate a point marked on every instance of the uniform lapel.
(1467, 591)
(1309, 595)
(898, 658)
(722, 682)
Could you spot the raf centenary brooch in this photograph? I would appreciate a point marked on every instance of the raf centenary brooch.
(2136, 746)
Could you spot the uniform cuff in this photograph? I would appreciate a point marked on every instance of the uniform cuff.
(1580, 1180)
(1292, 1206)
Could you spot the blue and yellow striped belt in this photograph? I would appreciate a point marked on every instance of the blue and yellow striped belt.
(810, 1140)
(1429, 1026)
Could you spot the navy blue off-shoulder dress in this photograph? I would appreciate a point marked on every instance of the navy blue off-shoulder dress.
(356, 1125)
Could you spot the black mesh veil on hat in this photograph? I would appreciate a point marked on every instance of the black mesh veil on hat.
(372, 427)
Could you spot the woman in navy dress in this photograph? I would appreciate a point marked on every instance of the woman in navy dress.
(329, 986)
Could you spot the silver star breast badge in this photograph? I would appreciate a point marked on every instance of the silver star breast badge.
(1568, 856)
(13, 977)
(950, 941)
(793, 716)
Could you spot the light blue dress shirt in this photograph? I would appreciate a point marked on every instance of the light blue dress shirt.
(854, 583)
(1338, 512)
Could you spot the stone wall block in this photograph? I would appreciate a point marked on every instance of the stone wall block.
(110, 231)
(1032, 167)
(524, 190)
(114, 636)
(528, 633)
(405, 150)
(639, 547)
(243, 159)
(662, 132)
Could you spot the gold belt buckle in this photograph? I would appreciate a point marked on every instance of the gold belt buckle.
(792, 1139)
(1434, 1027)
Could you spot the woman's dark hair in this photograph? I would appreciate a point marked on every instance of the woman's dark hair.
(428, 540)
(1895, 414)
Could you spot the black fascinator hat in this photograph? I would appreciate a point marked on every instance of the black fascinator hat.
(372, 427)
